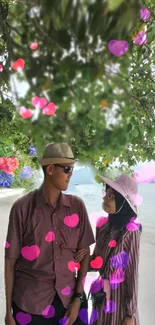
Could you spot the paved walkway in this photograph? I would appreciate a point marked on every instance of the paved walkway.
(147, 267)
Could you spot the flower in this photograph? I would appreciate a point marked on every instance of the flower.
(9, 165)
(6, 179)
(26, 172)
(32, 150)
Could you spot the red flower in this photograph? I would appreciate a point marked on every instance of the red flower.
(9, 165)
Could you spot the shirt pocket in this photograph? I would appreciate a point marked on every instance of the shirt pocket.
(69, 237)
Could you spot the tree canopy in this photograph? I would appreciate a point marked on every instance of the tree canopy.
(104, 103)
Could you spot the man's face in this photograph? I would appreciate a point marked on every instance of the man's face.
(60, 175)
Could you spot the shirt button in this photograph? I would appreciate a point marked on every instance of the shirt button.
(55, 228)
(56, 242)
(57, 257)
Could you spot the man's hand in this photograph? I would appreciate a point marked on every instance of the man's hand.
(73, 311)
(80, 254)
(129, 321)
(9, 320)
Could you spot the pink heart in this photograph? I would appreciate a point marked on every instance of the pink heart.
(140, 38)
(23, 318)
(1, 68)
(132, 226)
(18, 65)
(118, 48)
(48, 312)
(66, 291)
(71, 221)
(50, 109)
(97, 262)
(25, 113)
(34, 46)
(101, 221)
(30, 252)
(50, 236)
(6, 244)
(112, 243)
(72, 266)
(39, 102)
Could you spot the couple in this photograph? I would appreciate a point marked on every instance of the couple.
(49, 232)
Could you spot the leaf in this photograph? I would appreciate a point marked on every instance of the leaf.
(114, 4)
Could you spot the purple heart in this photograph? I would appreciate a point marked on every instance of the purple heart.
(83, 315)
(23, 318)
(118, 48)
(48, 312)
(120, 261)
(97, 285)
(64, 320)
(110, 307)
(114, 286)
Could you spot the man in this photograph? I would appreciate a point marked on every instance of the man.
(46, 227)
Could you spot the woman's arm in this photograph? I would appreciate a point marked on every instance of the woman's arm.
(132, 245)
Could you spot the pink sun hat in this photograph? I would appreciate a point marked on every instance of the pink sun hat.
(126, 186)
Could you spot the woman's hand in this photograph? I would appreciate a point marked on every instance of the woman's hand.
(80, 254)
(129, 321)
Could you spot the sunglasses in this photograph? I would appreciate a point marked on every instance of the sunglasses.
(66, 169)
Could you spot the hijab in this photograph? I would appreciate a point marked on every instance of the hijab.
(123, 213)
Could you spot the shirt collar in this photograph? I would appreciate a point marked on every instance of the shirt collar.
(41, 200)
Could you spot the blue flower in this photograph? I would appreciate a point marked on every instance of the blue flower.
(32, 150)
(6, 179)
(26, 172)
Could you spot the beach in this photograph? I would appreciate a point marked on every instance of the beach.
(91, 194)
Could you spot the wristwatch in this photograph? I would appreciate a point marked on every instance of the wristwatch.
(130, 316)
(79, 295)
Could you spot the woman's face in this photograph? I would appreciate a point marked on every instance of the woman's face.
(109, 203)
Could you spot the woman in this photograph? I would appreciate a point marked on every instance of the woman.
(121, 272)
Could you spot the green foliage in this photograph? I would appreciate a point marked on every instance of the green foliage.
(73, 68)
(13, 143)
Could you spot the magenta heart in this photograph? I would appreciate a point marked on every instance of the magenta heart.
(6, 244)
(34, 46)
(23, 318)
(50, 109)
(18, 65)
(101, 221)
(30, 252)
(39, 102)
(145, 13)
(50, 236)
(118, 48)
(25, 113)
(71, 221)
(117, 276)
(48, 312)
(1, 68)
(66, 291)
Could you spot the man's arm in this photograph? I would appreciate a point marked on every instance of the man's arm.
(12, 253)
(9, 282)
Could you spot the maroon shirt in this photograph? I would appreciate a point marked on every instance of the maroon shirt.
(42, 268)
